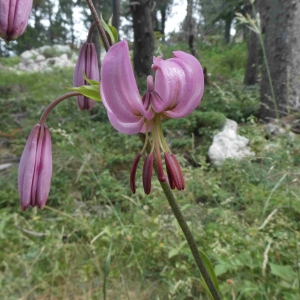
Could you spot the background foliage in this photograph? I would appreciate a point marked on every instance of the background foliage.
(95, 238)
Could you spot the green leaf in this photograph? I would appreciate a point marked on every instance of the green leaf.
(284, 272)
(90, 91)
(90, 81)
(209, 268)
(114, 32)
(173, 252)
(221, 269)
(111, 30)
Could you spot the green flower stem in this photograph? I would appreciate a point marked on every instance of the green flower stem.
(91, 30)
(185, 229)
(54, 103)
(99, 24)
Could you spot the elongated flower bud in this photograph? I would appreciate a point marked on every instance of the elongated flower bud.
(87, 63)
(14, 15)
(35, 169)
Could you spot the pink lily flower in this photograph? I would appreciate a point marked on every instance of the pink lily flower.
(14, 15)
(35, 169)
(87, 63)
(176, 92)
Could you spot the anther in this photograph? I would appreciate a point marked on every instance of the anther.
(133, 172)
(147, 173)
(174, 172)
(180, 186)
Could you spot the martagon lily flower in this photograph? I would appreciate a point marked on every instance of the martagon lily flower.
(14, 15)
(176, 92)
(35, 169)
(87, 63)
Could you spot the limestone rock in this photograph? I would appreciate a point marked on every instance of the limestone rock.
(228, 144)
(36, 61)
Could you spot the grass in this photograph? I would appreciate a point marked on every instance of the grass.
(96, 240)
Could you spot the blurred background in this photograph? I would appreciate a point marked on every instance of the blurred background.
(239, 151)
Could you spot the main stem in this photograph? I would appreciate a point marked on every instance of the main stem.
(99, 24)
(167, 190)
(185, 229)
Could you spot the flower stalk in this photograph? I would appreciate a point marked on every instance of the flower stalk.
(90, 34)
(54, 103)
(99, 25)
(185, 228)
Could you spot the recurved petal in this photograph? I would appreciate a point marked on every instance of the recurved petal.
(45, 170)
(118, 86)
(190, 85)
(167, 83)
(126, 128)
(26, 167)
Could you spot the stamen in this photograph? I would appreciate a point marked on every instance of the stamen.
(161, 175)
(174, 171)
(170, 170)
(147, 137)
(171, 181)
(133, 172)
(181, 184)
(147, 173)
(162, 139)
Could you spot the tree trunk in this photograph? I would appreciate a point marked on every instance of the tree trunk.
(227, 30)
(190, 25)
(282, 43)
(96, 36)
(253, 47)
(143, 36)
(163, 21)
(116, 14)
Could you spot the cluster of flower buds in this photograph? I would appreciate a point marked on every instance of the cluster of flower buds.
(14, 15)
(176, 92)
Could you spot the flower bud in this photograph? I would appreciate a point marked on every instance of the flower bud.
(35, 169)
(87, 63)
(14, 15)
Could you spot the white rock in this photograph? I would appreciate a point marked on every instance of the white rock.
(62, 48)
(277, 130)
(228, 144)
(40, 58)
(34, 61)
(5, 166)
(43, 48)
(64, 56)
(27, 54)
